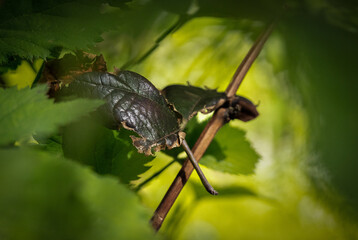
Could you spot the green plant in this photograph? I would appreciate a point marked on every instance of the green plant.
(64, 175)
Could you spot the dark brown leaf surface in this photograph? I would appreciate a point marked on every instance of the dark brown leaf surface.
(134, 103)
(190, 100)
(62, 71)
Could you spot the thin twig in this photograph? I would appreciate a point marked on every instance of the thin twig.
(180, 22)
(195, 164)
(38, 75)
(208, 134)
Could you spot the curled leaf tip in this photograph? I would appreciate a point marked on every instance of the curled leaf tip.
(242, 108)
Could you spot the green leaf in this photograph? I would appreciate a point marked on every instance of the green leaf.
(26, 111)
(32, 29)
(88, 142)
(51, 144)
(51, 198)
(240, 156)
(134, 103)
(230, 151)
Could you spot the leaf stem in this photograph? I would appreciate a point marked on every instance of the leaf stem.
(202, 177)
(208, 134)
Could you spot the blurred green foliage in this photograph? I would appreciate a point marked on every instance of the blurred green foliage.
(36, 29)
(325, 79)
(26, 111)
(303, 186)
(52, 198)
(108, 152)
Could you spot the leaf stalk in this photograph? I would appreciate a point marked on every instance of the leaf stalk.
(196, 166)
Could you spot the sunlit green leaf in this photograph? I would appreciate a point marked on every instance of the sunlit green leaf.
(239, 157)
(230, 151)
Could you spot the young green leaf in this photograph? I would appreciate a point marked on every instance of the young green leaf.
(51, 198)
(26, 111)
(134, 103)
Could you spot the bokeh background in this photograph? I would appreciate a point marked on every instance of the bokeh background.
(304, 184)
